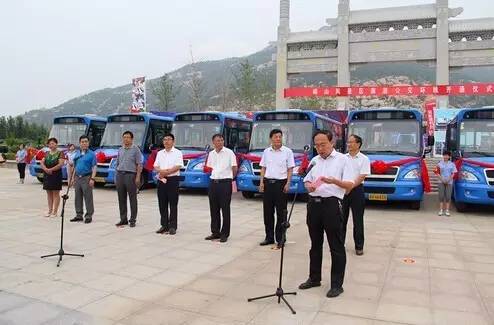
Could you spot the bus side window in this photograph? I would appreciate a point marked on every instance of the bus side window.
(95, 133)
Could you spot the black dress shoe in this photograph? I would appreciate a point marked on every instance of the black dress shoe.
(212, 237)
(132, 224)
(266, 242)
(223, 239)
(309, 284)
(76, 219)
(334, 292)
(122, 223)
(172, 231)
(88, 220)
(162, 230)
(359, 252)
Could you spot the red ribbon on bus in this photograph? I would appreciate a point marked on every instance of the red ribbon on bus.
(102, 158)
(380, 167)
(149, 166)
(459, 163)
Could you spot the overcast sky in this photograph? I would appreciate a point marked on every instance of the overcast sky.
(54, 50)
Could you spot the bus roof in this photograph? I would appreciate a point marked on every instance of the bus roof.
(311, 115)
(146, 116)
(416, 112)
(220, 115)
(87, 117)
(465, 112)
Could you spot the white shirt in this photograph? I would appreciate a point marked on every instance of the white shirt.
(169, 159)
(360, 164)
(336, 165)
(277, 162)
(222, 163)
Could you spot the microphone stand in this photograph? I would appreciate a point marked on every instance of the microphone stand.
(285, 225)
(61, 252)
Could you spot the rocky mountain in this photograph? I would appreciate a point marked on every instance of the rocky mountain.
(217, 77)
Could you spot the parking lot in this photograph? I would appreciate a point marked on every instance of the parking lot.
(418, 268)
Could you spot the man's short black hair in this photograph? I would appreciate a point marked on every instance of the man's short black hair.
(218, 135)
(169, 135)
(447, 153)
(358, 139)
(82, 137)
(52, 139)
(326, 133)
(129, 133)
(275, 131)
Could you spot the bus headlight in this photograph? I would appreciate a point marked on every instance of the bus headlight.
(198, 166)
(412, 174)
(468, 176)
(244, 168)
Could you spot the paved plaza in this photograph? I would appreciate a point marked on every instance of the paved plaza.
(418, 268)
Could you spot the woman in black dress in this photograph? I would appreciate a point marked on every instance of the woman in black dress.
(52, 181)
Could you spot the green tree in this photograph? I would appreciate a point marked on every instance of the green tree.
(245, 88)
(165, 93)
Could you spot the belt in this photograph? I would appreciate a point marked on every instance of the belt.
(125, 172)
(85, 175)
(222, 180)
(274, 180)
(319, 199)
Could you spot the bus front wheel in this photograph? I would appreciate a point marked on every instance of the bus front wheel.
(461, 207)
(248, 195)
(415, 205)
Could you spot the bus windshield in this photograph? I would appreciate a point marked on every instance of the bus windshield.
(388, 136)
(113, 133)
(295, 134)
(194, 135)
(68, 133)
(477, 138)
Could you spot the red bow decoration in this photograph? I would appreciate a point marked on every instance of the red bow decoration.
(40, 155)
(206, 169)
(304, 164)
(102, 158)
(149, 166)
(459, 163)
(380, 167)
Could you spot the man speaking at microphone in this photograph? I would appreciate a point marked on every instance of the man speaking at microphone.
(329, 177)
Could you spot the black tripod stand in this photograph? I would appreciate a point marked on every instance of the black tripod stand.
(279, 291)
(61, 252)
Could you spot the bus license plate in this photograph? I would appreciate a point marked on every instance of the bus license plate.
(99, 180)
(378, 197)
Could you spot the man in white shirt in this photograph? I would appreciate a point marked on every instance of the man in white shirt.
(224, 169)
(277, 164)
(355, 199)
(167, 166)
(329, 177)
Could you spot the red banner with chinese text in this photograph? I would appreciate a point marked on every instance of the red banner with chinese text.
(470, 89)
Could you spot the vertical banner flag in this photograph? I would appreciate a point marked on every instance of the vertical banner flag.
(138, 95)
(429, 107)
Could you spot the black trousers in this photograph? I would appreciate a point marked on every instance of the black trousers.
(126, 186)
(21, 167)
(355, 200)
(274, 198)
(326, 217)
(220, 196)
(168, 202)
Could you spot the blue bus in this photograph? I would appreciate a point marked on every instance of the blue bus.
(470, 138)
(148, 130)
(193, 133)
(393, 139)
(298, 127)
(67, 130)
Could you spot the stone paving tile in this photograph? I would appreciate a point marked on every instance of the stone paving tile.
(134, 276)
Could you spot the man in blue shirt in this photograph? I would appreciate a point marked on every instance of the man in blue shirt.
(83, 181)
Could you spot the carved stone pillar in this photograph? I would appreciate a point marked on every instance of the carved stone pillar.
(281, 57)
(442, 49)
(343, 52)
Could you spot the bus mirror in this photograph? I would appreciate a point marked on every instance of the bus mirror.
(207, 148)
(430, 141)
(306, 147)
(339, 145)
